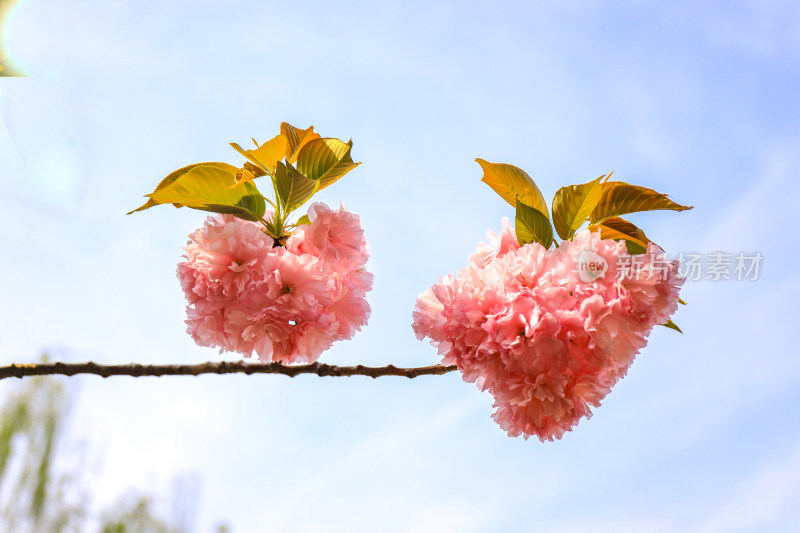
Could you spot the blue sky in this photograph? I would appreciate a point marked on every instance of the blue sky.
(695, 99)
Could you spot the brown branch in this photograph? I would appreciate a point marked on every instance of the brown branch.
(221, 367)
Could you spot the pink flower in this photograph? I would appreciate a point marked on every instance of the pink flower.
(349, 308)
(522, 323)
(223, 259)
(334, 236)
(286, 304)
(294, 281)
(499, 245)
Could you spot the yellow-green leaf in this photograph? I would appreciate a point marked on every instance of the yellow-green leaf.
(572, 205)
(532, 225)
(296, 139)
(172, 177)
(325, 160)
(267, 155)
(208, 187)
(247, 154)
(249, 172)
(293, 188)
(618, 228)
(513, 183)
(619, 198)
(672, 325)
(271, 151)
(303, 221)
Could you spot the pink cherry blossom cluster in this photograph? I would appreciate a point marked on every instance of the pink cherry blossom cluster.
(522, 323)
(284, 303)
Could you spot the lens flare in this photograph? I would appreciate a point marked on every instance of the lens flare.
(7, 66)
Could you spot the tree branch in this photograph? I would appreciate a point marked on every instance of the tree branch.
(221, 367)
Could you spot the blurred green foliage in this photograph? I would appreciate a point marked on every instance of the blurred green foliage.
(37, 497)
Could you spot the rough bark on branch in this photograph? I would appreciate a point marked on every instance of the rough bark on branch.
(221, 367)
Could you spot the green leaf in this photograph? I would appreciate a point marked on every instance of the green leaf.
(208, 187)
(681, 302)
(672, 325)
(532, 225)
(293, 188)
(267, 155)
(325, 160)
(572, 205)
(620, 229)
(619, 198)
(296, 139)
(171, 178)
(303, 221)
(634, 248)
(513, 183)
